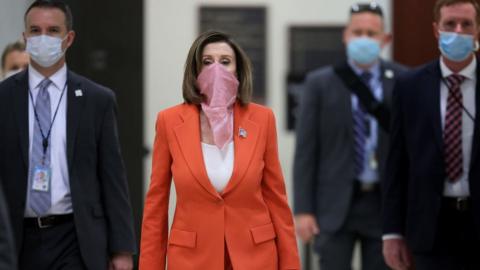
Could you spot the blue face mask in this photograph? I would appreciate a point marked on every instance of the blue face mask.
(363, 50)
(455, 47)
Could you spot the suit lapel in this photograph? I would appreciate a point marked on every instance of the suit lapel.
(188, 137)
(20, 99)
(476, 134)
(75, 106)
(244, 145)
(387, 75)
(432, 101)
(342, 100)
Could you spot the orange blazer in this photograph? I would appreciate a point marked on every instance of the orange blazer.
(251, 216)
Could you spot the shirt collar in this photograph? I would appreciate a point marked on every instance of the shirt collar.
(374, 69)
(468, 72)
(58, 79)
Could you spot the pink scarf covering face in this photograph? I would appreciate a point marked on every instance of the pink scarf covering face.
(220, 88)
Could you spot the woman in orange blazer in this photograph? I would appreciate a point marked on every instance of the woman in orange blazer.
(221, 150)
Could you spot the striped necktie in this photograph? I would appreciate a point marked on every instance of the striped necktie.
(452, 132)
(360, 129)
(40, 201)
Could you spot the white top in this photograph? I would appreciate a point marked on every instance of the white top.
(461, 187)
(61, 197)
(219, 164)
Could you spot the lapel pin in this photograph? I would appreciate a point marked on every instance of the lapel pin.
(242, 133)
(78, 93)
(389, 74)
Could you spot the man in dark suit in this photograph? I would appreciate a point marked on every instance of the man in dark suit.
(60, 160)
(341, 146)
(431, 191)
(7, 248)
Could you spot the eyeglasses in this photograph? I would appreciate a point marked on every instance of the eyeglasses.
(372, 7)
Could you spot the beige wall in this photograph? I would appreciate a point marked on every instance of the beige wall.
(11, 21)
(171, 26)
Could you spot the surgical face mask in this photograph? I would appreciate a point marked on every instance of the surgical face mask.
(11, 73)
(45, 50)
(454, 46)
(363, 50)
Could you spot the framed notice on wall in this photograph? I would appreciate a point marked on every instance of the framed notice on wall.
(311, 47)
(247, 26)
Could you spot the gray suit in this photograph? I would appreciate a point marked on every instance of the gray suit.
(324, 177)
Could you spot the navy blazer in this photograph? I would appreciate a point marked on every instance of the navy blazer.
(415, 172)
(7, 248)
(102, 212)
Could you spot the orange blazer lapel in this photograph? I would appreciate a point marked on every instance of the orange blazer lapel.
(245, 137)
(188, 138)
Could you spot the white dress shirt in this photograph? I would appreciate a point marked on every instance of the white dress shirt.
(369, 173)
(60, 185)
(219, 164)
(460, 188)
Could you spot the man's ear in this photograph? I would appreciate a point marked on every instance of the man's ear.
(70, 38)
(345, 35)
(387, 39)
(435, 30)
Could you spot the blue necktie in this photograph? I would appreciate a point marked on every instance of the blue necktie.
(40, 201)
(360, 129)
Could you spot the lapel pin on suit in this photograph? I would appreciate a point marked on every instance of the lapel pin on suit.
(78, 93)
(389, 74)
(242, 133)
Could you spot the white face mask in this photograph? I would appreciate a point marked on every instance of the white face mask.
(45, 50)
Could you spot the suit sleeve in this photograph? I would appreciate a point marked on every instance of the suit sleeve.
(273, 189)
(394, 187)
(306, 151)
(155, 214)
(8, 259)
(121, 236)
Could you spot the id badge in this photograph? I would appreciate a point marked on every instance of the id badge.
(373, 162)
(41, 178)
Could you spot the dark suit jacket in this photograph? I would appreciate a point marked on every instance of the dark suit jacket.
(324, 157)
(415, 173)
(8, 259)
(102, 211)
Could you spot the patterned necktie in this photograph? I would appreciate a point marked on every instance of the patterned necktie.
(40, 201)
(452, 133)
(360, 129)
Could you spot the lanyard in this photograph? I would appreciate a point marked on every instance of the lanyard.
(45, 138)
(457, 100)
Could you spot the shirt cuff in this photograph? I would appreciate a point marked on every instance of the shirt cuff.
(390, 236)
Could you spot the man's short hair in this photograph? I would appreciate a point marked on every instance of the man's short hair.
(371, 7)
(12, 47)
(445, 3)
(58, 4)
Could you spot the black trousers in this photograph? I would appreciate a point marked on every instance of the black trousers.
(456, 245)
(54, 248)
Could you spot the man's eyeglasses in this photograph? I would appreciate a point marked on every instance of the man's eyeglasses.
(372, 7)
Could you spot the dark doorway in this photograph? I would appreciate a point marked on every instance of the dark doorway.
(109, 50)
(247, 25)
(413, 39)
